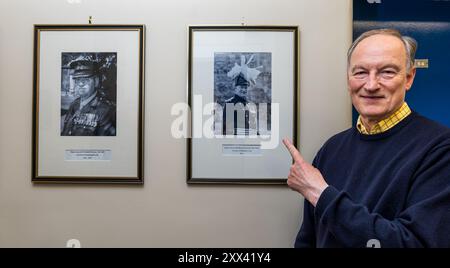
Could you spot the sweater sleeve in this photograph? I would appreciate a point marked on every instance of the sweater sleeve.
(424, 222)
(306, 237)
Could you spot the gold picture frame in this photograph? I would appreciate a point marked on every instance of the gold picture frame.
(88, 104)
(217, 56)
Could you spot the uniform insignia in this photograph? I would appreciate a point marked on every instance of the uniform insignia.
(88, 119)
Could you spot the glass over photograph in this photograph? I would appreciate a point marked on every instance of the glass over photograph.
(243, 89)
(88, 94)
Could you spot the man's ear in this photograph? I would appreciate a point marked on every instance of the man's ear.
(410, 78)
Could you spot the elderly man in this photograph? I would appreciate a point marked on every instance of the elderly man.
(387, 179)
(91, 114)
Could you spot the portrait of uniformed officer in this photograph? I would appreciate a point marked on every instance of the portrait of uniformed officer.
(91, 113)
(238, 123)
(242, 82)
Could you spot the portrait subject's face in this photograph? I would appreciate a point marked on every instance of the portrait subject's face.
(85, 86)
(241, 91)
(378, 78)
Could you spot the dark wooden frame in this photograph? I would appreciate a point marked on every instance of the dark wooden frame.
(256, 181)
(139, 179)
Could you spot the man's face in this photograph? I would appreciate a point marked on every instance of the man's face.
(85, 86)
(378, 78)
(241, 91)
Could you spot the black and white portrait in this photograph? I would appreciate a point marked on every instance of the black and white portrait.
(243, 89)
(88, 94)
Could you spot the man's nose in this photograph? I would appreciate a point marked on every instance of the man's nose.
(372, 82)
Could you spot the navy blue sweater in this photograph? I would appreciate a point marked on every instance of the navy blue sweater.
(393, 186)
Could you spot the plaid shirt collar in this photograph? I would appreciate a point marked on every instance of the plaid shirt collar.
(385, 124)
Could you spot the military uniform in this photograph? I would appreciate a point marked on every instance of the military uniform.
(238, 124)
(96, 118)
(243, 76)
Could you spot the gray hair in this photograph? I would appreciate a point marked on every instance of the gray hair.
(409, 43)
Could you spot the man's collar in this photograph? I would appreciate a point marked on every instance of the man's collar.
(385, 124)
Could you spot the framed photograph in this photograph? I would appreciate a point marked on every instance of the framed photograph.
(242, 92)
(88, 104)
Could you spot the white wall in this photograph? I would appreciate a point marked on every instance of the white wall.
(165, 212)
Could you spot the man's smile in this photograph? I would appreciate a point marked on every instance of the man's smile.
(371, 97)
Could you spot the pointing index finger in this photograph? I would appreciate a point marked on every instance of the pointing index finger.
(293, 151)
